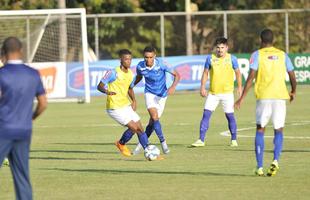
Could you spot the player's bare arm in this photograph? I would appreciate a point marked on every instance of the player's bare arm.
(292, 77)
(204, 78)
(131, 95)
(176, 80)
(138, 79)
(247, 86)
(102, 89)
(40, 107)
(239, 81)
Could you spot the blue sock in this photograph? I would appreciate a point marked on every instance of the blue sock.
(232, 125)
(158, 130)
(149, 129)
(277, 141)
(259, 148)
(144, 141)
(127, 135)
(204, 124)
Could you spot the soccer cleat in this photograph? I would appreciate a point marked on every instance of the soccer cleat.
(164, 147)
(6, 162)
(198, 143)
(123, 149)
(274, 167)
(138, 149)
(259, 171)
(234, 143)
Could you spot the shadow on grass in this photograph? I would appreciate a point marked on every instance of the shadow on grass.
(271, 151)
(117, 171)
(87, 143)
(72, 151)
(59, 158)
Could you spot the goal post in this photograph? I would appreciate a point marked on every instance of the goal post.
(53, 40)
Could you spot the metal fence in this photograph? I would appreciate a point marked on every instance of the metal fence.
(181, 33)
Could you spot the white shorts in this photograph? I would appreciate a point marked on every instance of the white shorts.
(227, 101)
(123, 115)
(274, 108)
(153, 101)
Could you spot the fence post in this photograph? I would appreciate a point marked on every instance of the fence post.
(162, 35)
(28, 38)
(287, 43)
(96, 37)
(225, 24)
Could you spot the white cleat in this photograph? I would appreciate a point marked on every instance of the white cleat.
(164, 147)
(198, 143)
(234, 143)
(138, 149)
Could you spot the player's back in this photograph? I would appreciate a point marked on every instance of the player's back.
(18, 87)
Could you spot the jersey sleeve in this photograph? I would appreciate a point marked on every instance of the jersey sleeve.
(288, 63)
(234, 62)
(138, 68)
(40, 89)
(254, 61)
(109, 77)
(208, 62)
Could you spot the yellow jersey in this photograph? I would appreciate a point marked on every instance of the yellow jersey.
(118, 82)
(271, 72)
(222, 73)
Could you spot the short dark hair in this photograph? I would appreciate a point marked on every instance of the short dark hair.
(124, 52)
(220, 40)
(266, 36)
(11, 45)
(149, 49)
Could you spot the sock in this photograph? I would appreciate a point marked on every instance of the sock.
(127, 135)
(149, 129)
(232, 125)
(144, 141)
(158, 130)
(204, 124)
(277, 141)
(259, 148)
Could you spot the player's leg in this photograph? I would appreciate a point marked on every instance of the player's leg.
(210, 105)
(263, 113)
(278, 119)
(5, 147)
(19, 163)
(228, 107)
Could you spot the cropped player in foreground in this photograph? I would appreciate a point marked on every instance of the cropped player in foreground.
(222, 66)
(19, 85)
(117, 85)
(155, 93)
(268, 66)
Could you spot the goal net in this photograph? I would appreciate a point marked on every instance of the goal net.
(53, 40)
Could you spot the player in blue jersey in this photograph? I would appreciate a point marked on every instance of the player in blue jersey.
(117, 85)
(222, 67)
(154, 72)
(19, 85)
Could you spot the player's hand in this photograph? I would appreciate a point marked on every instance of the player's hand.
(238, 103)
(171, 90)
(134, 105)
(292, 96)
(203, 92)
(110, 93)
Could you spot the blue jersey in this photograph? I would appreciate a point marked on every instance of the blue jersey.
(19, 84)
(155, 77)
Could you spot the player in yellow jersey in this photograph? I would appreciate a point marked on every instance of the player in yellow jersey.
(117, 85)
(268, 66)
(222, 67)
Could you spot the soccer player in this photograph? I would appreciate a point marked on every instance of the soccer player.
(268, 66)
(19, 85)
(221, 66)
(117, 85)
(154, 72)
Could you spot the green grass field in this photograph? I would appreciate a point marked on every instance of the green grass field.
(73, 155)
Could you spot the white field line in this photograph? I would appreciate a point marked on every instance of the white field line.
(227, 133)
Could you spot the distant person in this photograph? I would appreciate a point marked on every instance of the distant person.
(222, 67)
(155, 93)
(117, 85)
(268, 66)
(19, 85)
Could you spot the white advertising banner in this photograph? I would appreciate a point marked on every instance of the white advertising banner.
(53, 75)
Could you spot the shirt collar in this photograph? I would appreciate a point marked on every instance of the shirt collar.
(149, 68)
(15, 62)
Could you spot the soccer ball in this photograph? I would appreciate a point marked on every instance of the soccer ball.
(151, 152)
